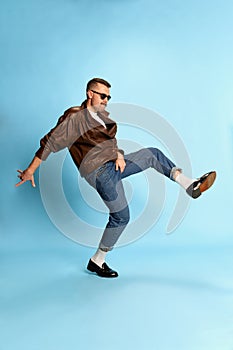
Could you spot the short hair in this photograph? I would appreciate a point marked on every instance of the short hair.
(93, 82)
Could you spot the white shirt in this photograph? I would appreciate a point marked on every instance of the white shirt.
(97, 118)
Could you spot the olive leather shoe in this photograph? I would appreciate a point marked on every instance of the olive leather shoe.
(201, 185)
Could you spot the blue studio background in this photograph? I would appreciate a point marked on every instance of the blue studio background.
(174, 291)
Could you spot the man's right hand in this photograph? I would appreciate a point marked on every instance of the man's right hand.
(25, 175)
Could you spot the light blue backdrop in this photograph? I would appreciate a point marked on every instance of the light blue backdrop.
(173, 57)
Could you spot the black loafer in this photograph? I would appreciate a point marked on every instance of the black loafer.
(201, 185)
(104, 271)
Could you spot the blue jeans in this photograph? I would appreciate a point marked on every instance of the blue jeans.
(107, 181)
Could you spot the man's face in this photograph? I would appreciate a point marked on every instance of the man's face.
(95, 95)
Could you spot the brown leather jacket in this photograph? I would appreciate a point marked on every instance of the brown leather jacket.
(90, 143)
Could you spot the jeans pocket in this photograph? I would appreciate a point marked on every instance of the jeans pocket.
(101, 169)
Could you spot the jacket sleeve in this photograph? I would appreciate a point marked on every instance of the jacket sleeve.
(61, 136)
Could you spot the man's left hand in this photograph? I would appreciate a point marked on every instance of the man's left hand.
(120, 163)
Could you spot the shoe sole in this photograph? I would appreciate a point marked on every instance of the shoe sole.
(102, 275)
(208, 182)
(90, 269)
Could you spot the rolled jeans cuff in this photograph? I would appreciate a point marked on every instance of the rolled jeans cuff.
(173, 171)
(105, 249)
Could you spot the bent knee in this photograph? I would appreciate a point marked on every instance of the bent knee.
(121, 218)
(155, 151)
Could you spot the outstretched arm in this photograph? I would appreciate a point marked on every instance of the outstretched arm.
(27, 174)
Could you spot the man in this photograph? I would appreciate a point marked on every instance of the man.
(89, 133)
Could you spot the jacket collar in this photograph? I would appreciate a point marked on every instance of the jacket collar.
(104, 113)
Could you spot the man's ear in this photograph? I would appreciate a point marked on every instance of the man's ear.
(89, 94)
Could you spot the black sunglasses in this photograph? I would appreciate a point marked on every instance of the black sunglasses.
(102, 96)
